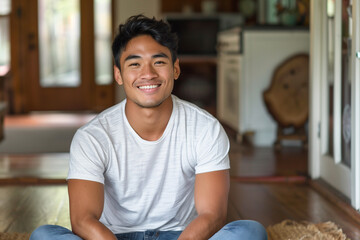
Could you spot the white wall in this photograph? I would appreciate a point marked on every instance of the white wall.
(264, 50)
(127, 8)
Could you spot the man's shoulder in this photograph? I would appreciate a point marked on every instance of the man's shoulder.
(192, 109)
(107, 118)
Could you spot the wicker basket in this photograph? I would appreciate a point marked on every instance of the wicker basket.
(292, 230)
(14, 236)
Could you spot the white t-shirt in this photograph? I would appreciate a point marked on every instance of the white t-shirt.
(148, 184)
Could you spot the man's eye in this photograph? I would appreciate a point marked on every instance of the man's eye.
(134, 64)
(159, 62)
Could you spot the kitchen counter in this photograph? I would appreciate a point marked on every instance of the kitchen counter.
(274, 27)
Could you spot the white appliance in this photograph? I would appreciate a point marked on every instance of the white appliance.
(229, 78)
(247, 59)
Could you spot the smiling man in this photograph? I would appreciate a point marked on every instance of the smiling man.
(152, 166)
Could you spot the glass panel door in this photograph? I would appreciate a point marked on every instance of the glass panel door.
(59, 43)
(346, 56)
(58, 47)
(338, 78)
(5, 8)
(335, 102)
(63, 62)
(103, 40)
(330, 17)
(336, 110)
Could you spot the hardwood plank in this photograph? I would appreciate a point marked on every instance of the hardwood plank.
(252, 201)
(31, 166)
(273, 203)
(24, 208)
(249, 161)
(309, 205)
(10, 199)
(335, 197)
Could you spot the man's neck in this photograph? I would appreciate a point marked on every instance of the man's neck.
(149, 123)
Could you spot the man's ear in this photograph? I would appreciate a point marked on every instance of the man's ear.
(117, 75)
(176, 69)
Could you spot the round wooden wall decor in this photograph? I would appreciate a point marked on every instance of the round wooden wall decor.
(287, 97)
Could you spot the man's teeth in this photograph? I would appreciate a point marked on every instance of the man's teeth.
(148, 86)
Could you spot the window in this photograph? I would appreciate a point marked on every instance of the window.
(103, 40)
(5, 9)
(59, 43)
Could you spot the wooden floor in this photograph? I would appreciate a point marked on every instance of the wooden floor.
(33, 168)
(266, 186)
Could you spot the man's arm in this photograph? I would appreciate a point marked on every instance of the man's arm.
(86, 206)
(211, 197)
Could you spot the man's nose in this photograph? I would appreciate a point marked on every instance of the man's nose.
(148, 72)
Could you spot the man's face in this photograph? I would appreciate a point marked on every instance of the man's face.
(147, 72)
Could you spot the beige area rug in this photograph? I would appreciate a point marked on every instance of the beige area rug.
(291, 230)
(14, 236)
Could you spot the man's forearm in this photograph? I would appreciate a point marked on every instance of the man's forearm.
(202, 227)
(93, 229)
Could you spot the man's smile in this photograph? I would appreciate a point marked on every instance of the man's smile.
(149, 86)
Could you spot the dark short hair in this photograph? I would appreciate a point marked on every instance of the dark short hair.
(138, 25)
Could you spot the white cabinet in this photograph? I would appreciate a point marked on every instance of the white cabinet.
(262, 52)
(228, 101)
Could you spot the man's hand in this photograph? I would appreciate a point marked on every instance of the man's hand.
(86, 206)
(211, 197)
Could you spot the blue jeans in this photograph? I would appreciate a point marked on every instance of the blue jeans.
(241, 229)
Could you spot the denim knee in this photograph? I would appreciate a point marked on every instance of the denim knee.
(41, 232)
(241, 230)
(248, 228)
(53, 232)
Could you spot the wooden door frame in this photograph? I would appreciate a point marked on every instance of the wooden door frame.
(24, 35)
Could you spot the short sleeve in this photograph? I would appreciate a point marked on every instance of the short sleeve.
(87, 157)
(212, 148)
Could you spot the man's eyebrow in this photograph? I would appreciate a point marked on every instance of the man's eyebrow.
(160, 55)
(131, 57)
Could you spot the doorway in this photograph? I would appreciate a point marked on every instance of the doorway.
(61, 55)
(335, 102)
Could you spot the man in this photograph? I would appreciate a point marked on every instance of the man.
(152, 166)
